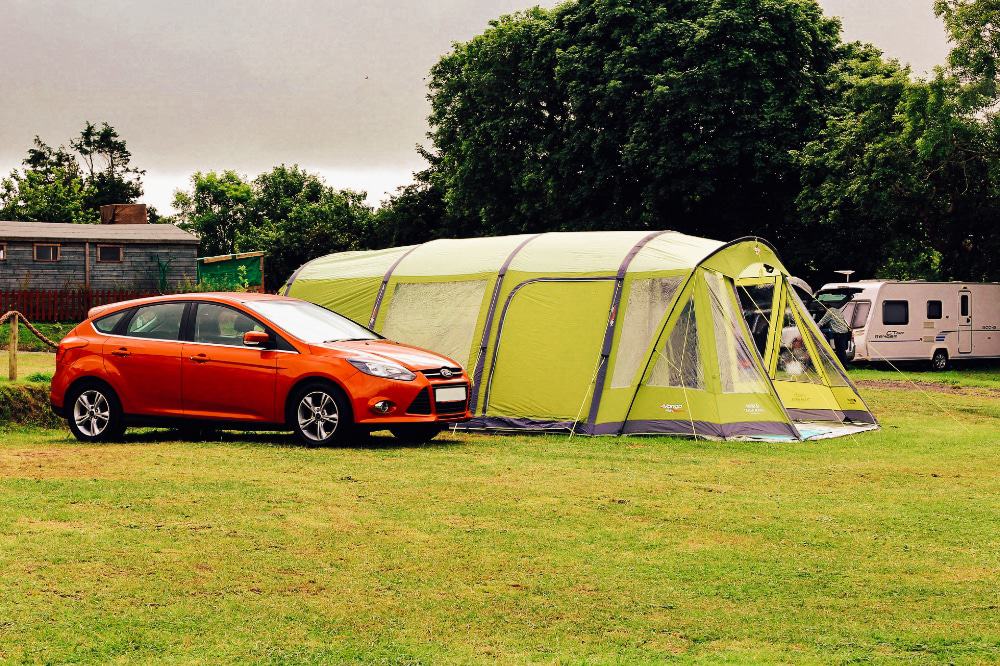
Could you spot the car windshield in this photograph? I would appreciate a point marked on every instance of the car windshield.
(311, 323)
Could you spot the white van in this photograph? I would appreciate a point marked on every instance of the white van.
(911, 321)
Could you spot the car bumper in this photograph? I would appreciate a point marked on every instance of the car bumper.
(412, 402)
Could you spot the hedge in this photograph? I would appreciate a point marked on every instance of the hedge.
(27, 404)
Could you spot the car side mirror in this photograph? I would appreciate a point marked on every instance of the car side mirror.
(256, 339)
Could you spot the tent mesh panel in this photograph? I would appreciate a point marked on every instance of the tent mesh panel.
(757, 303)
(795, 363)
(648, 301)
(679, 362)
(738, 370)
(440, 316)
(834, 376)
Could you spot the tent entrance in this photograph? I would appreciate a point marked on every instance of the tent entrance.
(548, 346)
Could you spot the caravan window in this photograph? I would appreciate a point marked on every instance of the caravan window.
(896, 313)
(861, 312)
(933, 309)
(965, 305)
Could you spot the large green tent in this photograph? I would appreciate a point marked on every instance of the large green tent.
(606, 333)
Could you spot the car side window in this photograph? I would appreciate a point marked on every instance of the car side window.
(107, 324)
(161, 321)
(221, 325)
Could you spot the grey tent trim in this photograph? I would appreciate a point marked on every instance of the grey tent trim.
(477, 374)
(385, 281)
(609, 332)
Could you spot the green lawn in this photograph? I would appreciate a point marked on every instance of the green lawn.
(880, 547)
(28, 364)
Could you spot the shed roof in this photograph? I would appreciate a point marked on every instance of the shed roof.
(111, 233)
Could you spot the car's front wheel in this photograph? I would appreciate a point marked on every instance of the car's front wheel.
(320, 415)
(94, 413)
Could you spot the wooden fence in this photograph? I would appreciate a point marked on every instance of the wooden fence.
(67, 305)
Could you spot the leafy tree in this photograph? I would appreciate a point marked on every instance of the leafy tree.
(617, 114)
(52, 187)
(974, 29)
(290, 214)
(43, 197)
(217, 209)
(108, 166)
(296, 217)
(415, 214)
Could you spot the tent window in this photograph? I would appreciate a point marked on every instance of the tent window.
(795, 363)
(756, 301)
(679, 362)
(738, 370)
(648, 301)
(440, 316)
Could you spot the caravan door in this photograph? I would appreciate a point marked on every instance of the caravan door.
(965, 322)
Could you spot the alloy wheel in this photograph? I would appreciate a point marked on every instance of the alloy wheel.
(318, 416)
(92, 413)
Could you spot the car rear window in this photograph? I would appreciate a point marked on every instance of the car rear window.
(107, 324)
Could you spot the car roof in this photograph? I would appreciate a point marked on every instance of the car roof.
(217, 296)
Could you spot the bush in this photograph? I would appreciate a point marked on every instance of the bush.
(27, 404)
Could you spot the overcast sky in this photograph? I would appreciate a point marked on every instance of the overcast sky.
(337, 86)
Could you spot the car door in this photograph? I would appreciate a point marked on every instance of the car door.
(221, 378)
(143, 361)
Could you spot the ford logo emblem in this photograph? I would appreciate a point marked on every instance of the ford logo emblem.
(446, 372)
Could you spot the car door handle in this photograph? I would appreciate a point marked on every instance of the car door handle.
(122, 352)
(200, 358)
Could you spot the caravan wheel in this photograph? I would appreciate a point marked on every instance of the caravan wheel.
(940, 360)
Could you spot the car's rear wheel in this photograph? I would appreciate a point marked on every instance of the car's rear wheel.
(416, 433)
(320, 415)
(94, 413)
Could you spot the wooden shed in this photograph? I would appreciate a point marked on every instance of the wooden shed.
(52, 255)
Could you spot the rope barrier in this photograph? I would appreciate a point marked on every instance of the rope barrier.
(23, 320)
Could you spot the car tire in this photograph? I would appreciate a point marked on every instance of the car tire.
(320, 415)
(417, 433)
(939, 361)
(94, 413)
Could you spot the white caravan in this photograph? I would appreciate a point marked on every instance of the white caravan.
(911, 321)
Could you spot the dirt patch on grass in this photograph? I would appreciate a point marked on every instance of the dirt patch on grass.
(906, 385)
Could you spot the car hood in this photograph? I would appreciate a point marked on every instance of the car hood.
(412, 358)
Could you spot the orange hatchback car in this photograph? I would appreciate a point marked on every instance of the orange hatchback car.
(249, 361)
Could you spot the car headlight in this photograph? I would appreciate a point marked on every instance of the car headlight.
(379, 369)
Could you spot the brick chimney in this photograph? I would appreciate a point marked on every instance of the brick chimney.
(124, 214)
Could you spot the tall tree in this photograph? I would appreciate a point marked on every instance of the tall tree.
(633, 113)
(217, 209)
(108, 166)
(290, 214)
(52, 186)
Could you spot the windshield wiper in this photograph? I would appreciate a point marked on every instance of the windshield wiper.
(348, 340)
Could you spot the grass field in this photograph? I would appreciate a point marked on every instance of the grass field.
(881, 547)
(28, 364)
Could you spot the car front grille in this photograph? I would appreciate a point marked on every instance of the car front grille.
(451, 407)
(436, 373)
(421, 404)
